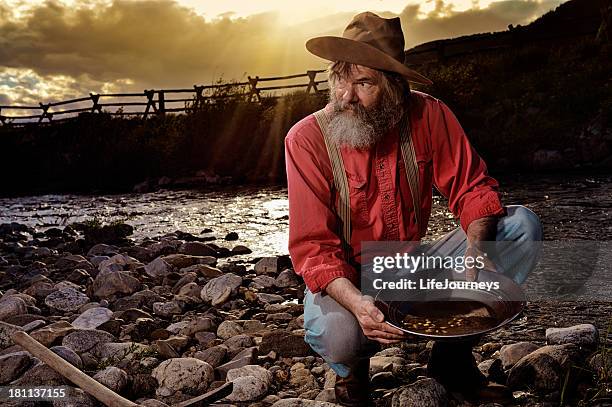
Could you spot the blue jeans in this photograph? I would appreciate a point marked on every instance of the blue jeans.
(334, 333)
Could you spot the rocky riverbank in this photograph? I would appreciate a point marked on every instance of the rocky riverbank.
(165, 319)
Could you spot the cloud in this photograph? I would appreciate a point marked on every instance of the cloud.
(154, 44)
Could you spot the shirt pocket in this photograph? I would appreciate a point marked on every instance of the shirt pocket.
(359, 201)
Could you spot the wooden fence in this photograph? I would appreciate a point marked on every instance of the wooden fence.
(156, 102)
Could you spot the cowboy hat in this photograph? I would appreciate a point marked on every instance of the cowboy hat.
(371, 41)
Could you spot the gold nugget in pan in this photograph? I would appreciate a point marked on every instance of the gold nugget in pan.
(449, 317)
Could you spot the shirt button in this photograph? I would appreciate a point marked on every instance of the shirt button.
(381, 166)
(386, 197)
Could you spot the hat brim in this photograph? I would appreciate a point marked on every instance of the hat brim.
(360, 53)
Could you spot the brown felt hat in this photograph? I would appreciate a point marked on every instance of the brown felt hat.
(371, 41)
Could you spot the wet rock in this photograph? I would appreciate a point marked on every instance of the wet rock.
(12, 365)
(510, 354)
(67, 299)
(189, 375)
(537, 370)
(220, 289)
(112, 377)
(11, 306)
(284, 343)
(231, 236)
(116, 282)
(92, 318)
(84, 340)
(267, 265)
(50, 333)
(287, 278)
(197, 249)
(422, 393)
(68, 355)
(583, 334)
(227, 329)
(6, 330)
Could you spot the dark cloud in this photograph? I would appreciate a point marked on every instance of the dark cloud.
(160, 43)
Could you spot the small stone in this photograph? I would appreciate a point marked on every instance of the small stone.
(158, 268)
(197, 249)
(167, 309)
(510, 354)
(197, 325)
(6, 330)
(85, 339)
(238, 342)
(227, 329)
(112, 377)
(116, 282)
(92, 318)
(67, 299)
(189, 375)
(536, 370)
(220, 289)
(284, 343)
(583, 334)
(301, 378)
(267, 265)
(13, 365)
(422, 393)
(11, 306)
(287, 278)
(231, 236)
(68, 355)
(214, 355)
(269, 298)
(241, 249)
(247, 388)
(50, 333)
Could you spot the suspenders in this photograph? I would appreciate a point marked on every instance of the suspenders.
(341, 186)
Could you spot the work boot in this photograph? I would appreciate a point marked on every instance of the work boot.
(354, 390)
(452, 364)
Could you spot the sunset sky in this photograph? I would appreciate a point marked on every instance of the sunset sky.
(53, 50)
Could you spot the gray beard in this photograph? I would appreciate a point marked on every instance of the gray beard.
(362, 128)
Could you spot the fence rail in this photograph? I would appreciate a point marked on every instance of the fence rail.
(156, 102)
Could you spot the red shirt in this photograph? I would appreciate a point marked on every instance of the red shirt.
(381, 204)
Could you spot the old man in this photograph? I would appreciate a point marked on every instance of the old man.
(362, 169)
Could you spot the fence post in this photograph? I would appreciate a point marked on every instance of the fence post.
(150, 102)
(162, 103)
(312, 84)
(199, 99)
(254, 91)
(96, 106)
(45, 113)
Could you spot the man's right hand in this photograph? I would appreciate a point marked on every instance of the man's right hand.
(372, 322)
(370, 318)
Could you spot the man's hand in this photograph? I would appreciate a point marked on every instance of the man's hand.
(471, 273)
(480, 230)
(370, 318)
